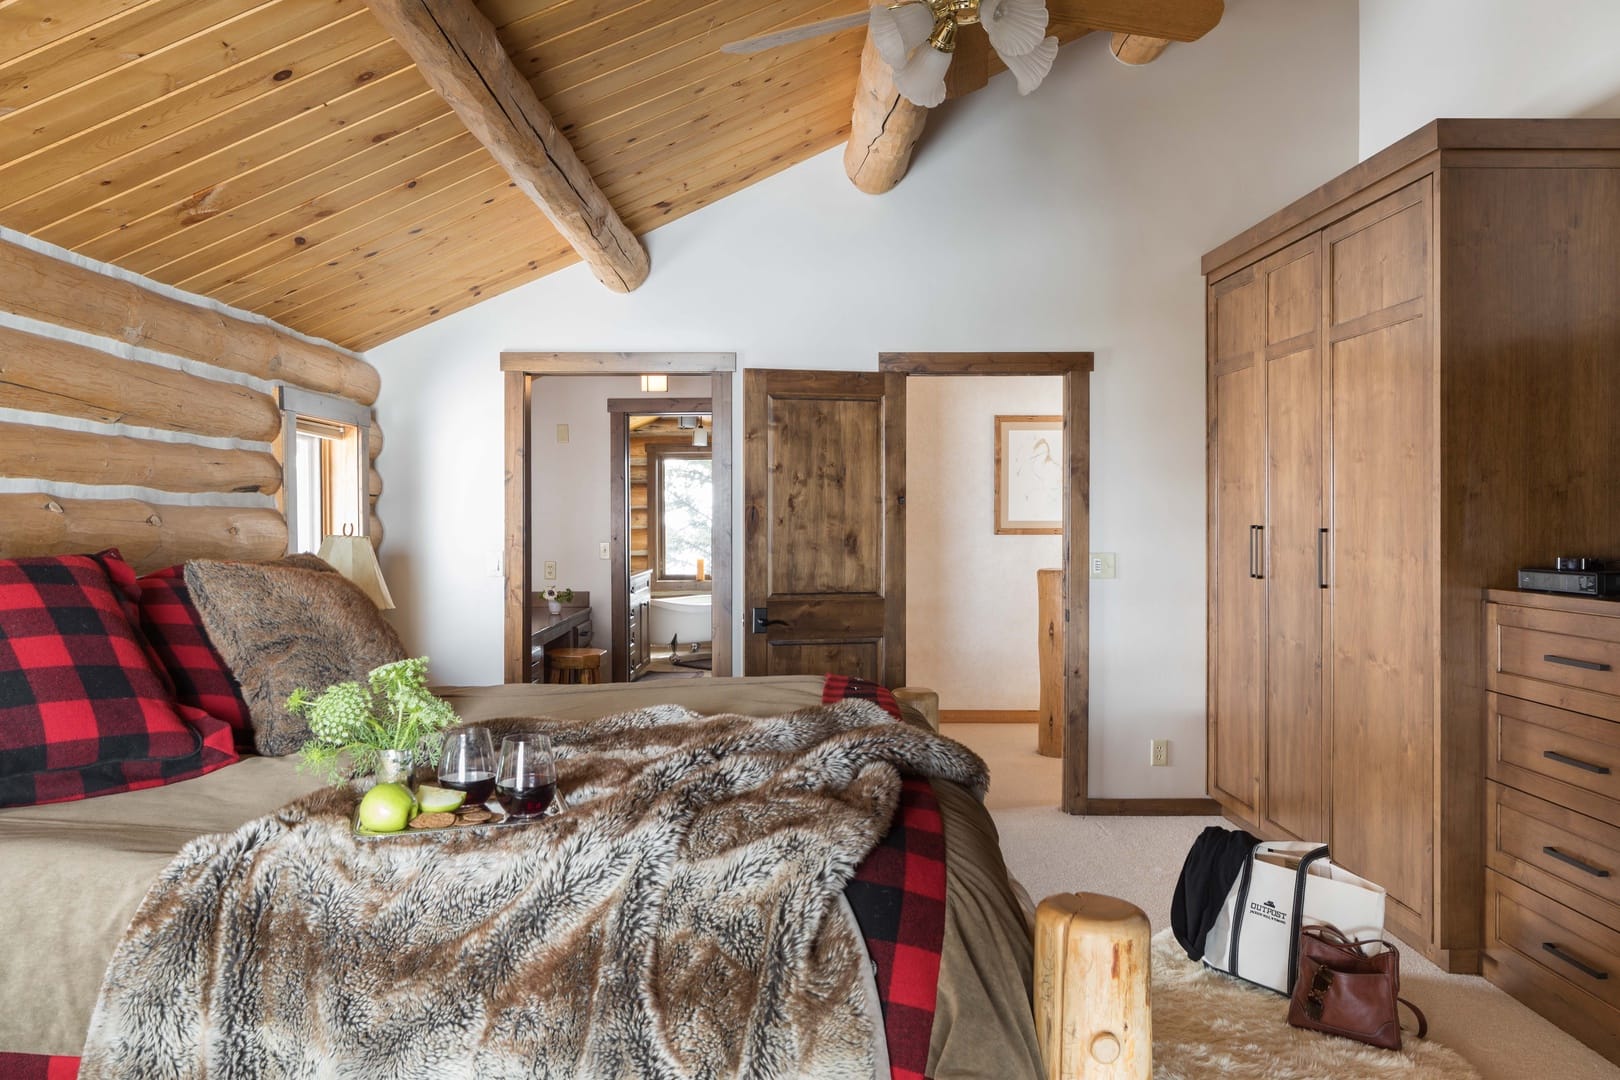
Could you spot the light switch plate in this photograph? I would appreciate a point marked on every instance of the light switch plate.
(1102, 564)
(562, 432)
(551, 570)
(603, 551)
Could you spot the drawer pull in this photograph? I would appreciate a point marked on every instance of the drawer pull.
(1565, 759)
(1570, 661)
(1580, 965)
(1586, 867)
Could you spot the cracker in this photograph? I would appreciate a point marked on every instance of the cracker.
(432, 821)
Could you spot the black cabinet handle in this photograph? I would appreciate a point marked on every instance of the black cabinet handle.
(1578, 864)
(1570, 661)
(1252, 574)
(1579, 965)
(1565, 759)
(1321, 558)
(1259, 533)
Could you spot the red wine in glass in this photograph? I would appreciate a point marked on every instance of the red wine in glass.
(526, 798)
(479, 786)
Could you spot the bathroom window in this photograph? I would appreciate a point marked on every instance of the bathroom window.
(683, 502)
(324, 486)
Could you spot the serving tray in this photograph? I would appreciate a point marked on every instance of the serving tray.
(499, 820)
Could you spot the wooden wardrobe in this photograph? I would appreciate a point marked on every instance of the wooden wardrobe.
(1414, 389)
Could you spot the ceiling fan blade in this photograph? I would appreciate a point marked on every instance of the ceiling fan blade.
(796, 33)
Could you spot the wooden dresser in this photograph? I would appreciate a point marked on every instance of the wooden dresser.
(1552, 845)
(1413, 380)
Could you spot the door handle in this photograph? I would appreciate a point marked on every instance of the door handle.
(1579, 864)
(1565, 759)
(1570, 661)
(1260, 552)
(761, 622)
(1579, 965)
(1321, 558)
(1253, 573)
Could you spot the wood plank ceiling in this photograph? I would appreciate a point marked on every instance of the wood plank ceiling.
(285, 156)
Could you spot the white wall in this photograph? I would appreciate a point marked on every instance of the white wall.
(1422, 59)
(972, 619)
(572, 498)
(1071, 219)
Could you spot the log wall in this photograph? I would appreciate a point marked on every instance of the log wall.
(136, 416)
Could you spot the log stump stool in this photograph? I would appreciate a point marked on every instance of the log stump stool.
(922, 699)
(1092, 963)
(575, 665)
(1049, 737)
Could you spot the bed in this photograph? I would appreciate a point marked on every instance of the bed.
(74, 873)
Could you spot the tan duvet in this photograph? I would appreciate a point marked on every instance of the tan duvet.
(72, 875)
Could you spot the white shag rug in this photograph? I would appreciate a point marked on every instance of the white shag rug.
(1207, 1025)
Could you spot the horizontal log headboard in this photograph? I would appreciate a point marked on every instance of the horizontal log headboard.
(134, 416)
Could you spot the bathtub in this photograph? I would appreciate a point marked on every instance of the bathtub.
(687, 617)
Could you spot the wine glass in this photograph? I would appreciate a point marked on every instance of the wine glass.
(468, 764)
(526, 778)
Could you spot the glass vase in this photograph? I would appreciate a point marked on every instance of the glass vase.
(395, 767)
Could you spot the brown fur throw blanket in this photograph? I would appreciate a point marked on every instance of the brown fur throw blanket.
(680, 919)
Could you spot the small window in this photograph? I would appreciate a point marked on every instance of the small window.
(324, 490)
(684, 489)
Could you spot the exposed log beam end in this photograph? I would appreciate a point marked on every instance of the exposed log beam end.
(884, 130)
(1137, 49)
(455, 48)
(1174, 20)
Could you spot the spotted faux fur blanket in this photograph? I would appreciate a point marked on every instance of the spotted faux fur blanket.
(680, 920)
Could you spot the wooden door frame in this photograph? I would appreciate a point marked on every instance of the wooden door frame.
(519, 371)
(620, 410)
(1075, 369)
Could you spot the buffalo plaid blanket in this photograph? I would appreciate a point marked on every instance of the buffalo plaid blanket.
(897, 894)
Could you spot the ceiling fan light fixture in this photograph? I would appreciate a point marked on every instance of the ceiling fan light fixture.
(899, 29)
(1015, 27)
(922, 80)
(1031, 68)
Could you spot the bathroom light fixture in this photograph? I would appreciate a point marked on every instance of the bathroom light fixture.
(655, 384)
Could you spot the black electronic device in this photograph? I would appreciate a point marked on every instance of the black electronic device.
(1578, 576)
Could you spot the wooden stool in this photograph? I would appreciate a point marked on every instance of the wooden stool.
(922, 699)
(1092, 965)
(575, 665)
(1049, 737)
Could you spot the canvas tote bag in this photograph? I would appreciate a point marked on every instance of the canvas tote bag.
(1284, 886)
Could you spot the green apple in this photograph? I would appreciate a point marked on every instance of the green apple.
(386, 808)
(438, 800)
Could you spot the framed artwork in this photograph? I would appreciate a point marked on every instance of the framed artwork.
(1029, 475)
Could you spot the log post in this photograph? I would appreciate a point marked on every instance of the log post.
(1050, 732)
(1137, 49)
(884, 129)
(1093, 964)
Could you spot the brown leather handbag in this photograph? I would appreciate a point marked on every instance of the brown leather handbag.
(1341, 990)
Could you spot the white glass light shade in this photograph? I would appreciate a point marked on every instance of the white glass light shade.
(1015, 27)
(356, 559)
(655, 384)
(898, 30)
(922, 80)
(1032, 67)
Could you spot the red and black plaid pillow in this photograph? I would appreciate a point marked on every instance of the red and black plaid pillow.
(82, 709)
(200, 676)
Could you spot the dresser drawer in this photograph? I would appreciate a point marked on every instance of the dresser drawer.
(1570, 857)
(1560, 963)
(1563, 658)
(1565, 757)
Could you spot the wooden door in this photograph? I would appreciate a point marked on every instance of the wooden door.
(824, 490)
(1294, 773)
(1237, 638)
(1384, 558)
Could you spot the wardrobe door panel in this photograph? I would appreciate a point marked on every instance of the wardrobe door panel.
(1295, 780)
(1237, 508)
(1384, 556)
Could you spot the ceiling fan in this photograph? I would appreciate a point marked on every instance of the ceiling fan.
(917, 38)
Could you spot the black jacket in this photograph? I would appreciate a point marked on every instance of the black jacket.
(1213, 864)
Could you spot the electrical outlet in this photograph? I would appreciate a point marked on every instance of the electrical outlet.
(562, 432)
(603, 552)
(551, 570)
(1102, 564)
(1159, 752)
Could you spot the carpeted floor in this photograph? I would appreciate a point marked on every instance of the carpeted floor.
(1138, 859)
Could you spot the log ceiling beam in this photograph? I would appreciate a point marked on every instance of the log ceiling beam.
(456, 50)
(885, 127)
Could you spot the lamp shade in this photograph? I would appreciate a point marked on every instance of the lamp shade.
(1031, 68)
(355, 559)
(922, 80)
(1015, 27)
(898, 30)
